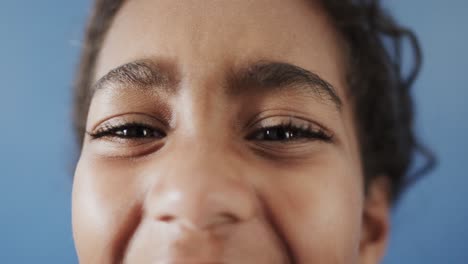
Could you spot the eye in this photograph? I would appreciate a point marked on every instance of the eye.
(128, 131)
(289, 132)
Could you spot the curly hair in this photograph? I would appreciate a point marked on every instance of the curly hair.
(378, 87)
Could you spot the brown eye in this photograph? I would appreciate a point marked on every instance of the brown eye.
(136, 132)
(286, 133)
(130, 131)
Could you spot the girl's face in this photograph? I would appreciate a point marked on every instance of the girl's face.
(220, 132)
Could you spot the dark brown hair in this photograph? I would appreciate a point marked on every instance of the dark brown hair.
(379, 89)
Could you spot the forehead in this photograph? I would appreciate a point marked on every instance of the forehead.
(215, 35)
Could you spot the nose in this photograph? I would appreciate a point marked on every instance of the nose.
(200, 191)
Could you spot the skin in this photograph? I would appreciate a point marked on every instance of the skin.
(202, 185)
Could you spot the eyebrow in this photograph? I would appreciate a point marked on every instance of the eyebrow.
(140, 74)
(281, 75)
(260, 75)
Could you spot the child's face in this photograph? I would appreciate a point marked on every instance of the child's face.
(222, 144)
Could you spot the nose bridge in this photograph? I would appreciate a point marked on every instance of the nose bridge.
(200, 188)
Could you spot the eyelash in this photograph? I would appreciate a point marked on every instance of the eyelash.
(285, 132)
(111, 130)
(291, 132)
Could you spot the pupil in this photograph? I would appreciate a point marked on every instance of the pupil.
(140, 132)
(134, 132)
(270, 134)
(278, 134)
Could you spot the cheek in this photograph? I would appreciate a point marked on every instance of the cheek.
(315, 207)
(318, 206)
(105, 209)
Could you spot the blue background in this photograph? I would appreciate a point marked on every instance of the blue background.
(40, 43)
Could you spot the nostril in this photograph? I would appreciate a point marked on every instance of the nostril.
(204, 223)
(165, 218)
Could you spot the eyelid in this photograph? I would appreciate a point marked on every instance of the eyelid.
(308, 130)
(110, 130)
(129, 119)
(279, 120)
(140, 117)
